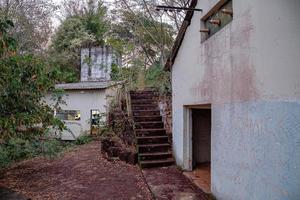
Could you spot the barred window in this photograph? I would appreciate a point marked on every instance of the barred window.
(71, 115)
(216, 19)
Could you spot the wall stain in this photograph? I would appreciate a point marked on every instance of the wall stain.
(229, 74)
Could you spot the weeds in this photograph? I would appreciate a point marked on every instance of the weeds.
(83, 139)
(20, 148)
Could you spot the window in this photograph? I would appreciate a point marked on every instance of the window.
(216, 19)
(96, 121)
(71, 115)
(95, 117)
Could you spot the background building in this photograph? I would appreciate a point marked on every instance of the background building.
(86, 101)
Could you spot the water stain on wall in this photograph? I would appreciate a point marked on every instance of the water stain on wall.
(226, 57)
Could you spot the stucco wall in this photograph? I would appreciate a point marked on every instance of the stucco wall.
(98, 60)
(249, 72)
(85, 101)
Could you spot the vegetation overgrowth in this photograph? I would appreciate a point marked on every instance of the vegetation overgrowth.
(140, 39)
(23, 147)
(31, 63)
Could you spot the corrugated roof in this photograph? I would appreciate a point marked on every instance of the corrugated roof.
(83, 85)
(186, 22)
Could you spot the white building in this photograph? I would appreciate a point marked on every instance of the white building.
(236, 97)
(86, 101)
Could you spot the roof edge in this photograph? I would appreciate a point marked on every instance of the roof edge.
(180, 36)
(83, 86)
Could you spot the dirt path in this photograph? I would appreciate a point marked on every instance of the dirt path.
(79, 174)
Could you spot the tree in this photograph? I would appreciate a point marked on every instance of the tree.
(7, 43)
(85, 24)
(24, 80)
(175, 18)
(33, 24)
(141, 38)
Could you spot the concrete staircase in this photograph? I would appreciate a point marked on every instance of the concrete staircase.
(153, 147)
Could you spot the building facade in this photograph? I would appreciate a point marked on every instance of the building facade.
(236, 97)
(96, 63)
(86, 102)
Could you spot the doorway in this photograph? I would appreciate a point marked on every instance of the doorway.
(201, 136)
(199, 129)
(95, 121)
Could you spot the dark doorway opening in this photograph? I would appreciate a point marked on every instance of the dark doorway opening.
(95, 121)
(201, 136)
(201, 148)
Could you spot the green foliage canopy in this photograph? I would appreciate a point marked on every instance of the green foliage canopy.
(24, 80)
(83, 28)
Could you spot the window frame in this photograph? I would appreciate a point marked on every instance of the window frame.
(216, 13)
(67, 113)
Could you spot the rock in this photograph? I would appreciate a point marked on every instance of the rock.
(8, 194)
(124, 155)
(133, 158)
(105, 144)
(113, 151)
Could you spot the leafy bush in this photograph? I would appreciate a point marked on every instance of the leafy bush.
(24, 81)
(20, 148)
(158, 79)
(83, 139)
(4, 157)
(51, 148)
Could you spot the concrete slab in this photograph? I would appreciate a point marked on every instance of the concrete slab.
(169, 183)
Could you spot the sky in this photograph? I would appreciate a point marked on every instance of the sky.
(55, 20)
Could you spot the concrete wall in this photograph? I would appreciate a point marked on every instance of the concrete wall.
(98, 61)
(85, 101)
(165, 106)
(249, 72)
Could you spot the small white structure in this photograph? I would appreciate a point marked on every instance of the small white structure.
(85, 101)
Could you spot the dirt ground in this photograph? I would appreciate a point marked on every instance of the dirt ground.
(169, 183)
(81, 173)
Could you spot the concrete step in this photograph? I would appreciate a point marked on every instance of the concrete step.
(157, 163)
(143, 101)
(143, 92)
(152, 139)
(143, 96)
(147, 118)
(151, 148)
(145, 112)
(146, 125)
(155, 156)
(145, 107)
(150, 132)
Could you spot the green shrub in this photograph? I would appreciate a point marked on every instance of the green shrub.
(158, 79)
(83, 139)
(51, 148)
(24, 81)
(4, 157)
(17, 149)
